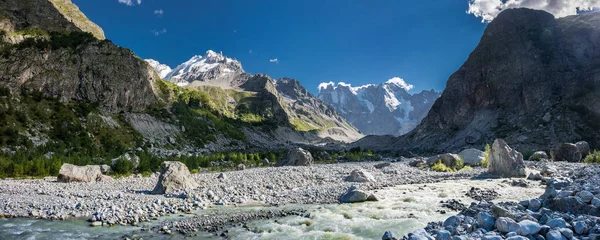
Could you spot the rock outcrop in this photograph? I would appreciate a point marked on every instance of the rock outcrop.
(505, 161)
(73, 173)
(297, 157)
(532, 80)
(66, 62)
(174, 176)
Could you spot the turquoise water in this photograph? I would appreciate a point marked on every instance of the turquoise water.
(402, 209)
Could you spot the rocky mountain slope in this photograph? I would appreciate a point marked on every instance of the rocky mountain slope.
(381, 109)
(66, 90)
(532, 80)
(258, 98)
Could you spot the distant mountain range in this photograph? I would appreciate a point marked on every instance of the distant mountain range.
(381, 109)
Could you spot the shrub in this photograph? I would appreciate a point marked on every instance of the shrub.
(460, 164)
(440, 167)
(486, 155)
(593, 157)
(122, 167)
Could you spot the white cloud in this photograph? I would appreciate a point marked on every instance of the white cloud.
(159, 32)
(159, 12)
(487, 10)
(401, 83)
(130, 2)
(274, 60)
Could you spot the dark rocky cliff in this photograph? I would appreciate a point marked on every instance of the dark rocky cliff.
(533, 80)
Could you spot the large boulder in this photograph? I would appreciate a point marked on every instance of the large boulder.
(297, 157)
(448, 159)
(174, 176)
(567, 152)
(134, 159)
(72, 173)
(537, 156)
(353, 195)
(584, 148)
(505, 161)
(360, 175)
(472, 156)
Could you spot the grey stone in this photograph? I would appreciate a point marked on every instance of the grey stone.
(472, 156)
(353, 195)
(535, 176)
(535, 204)
(596, 202)
(583, 147)
(567, 152)
(580, 227)
(506, 162)
(443, 235)
(72, 173)
(529, 227)
(174, 176)
(419, 234)
(105, 169)
(134, 159)
(485, 221)
(490, 237)
(360, 175)
(555, 235)
(388, 235)
(507, 225)
(565, 193)
(568, 233)
(453, 221)
(297, 157)
(537, 156)
(557, 223)
(585, 196)
(517, 238)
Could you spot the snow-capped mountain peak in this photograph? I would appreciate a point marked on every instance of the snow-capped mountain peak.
(162, 69)
(386, 108)
(211, 66)
(399, 82)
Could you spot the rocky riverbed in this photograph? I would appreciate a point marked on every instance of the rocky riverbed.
(129, 201)
(569, 208)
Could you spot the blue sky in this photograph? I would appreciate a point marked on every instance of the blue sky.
(315, 41)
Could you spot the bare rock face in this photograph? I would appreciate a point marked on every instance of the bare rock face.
(70, 62)
(73, 173)
(297, 157)
(505, 161)
(174, 176)
(567, 152)
(360, 175)
(530, 71)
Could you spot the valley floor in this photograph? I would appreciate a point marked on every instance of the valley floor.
(128, 201)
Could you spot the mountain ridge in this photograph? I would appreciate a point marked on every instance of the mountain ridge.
(379, 109)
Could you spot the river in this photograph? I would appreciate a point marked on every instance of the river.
(402, 209)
